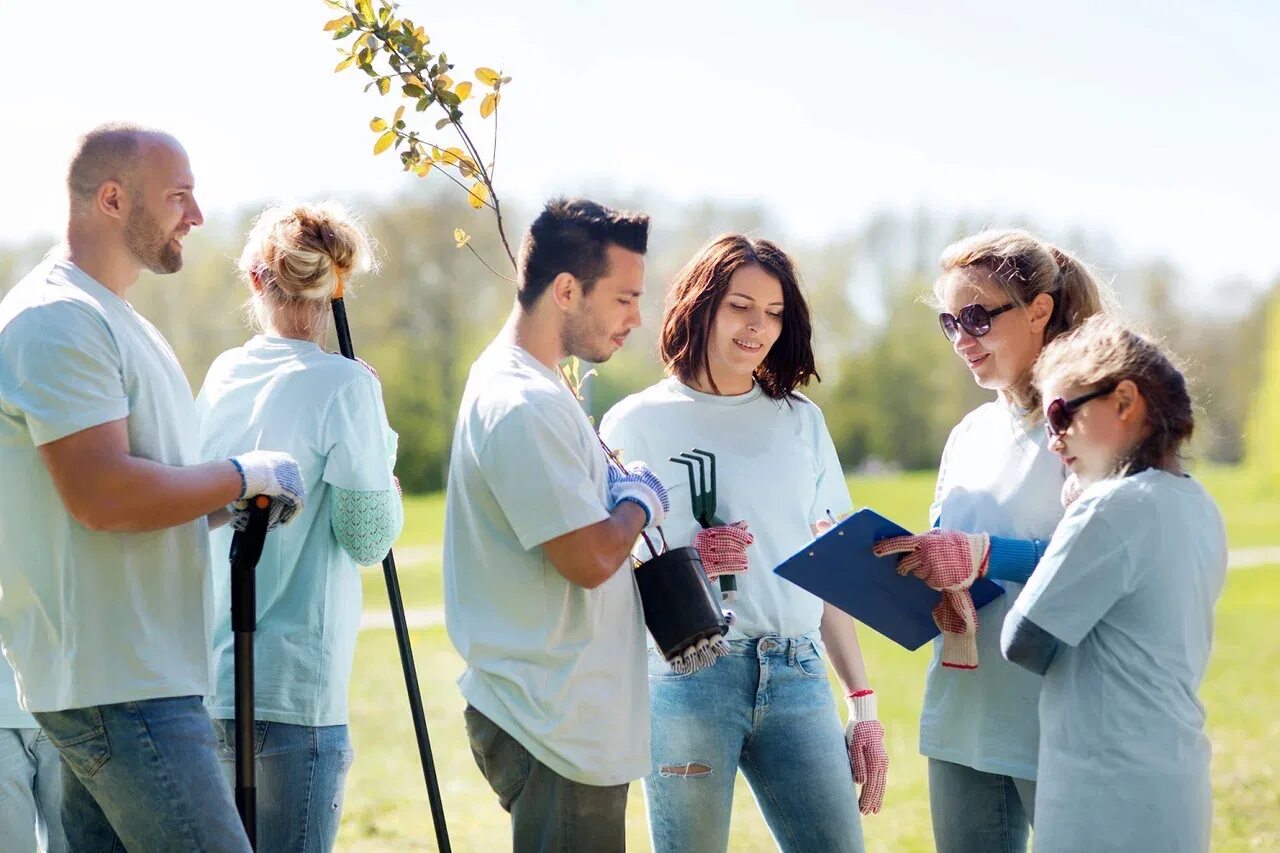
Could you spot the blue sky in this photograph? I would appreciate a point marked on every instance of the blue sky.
(1154, 124)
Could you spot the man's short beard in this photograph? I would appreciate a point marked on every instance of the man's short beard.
(576, 340)
(146, 242)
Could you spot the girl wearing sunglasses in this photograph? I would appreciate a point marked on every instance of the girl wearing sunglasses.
(1004, 295)
(1118, 617)
(736, 342)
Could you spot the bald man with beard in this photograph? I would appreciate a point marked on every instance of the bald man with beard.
(105, 508)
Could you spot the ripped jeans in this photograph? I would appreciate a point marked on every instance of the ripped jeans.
(766, 709)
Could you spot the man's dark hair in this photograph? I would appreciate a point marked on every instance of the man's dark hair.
(573, 235)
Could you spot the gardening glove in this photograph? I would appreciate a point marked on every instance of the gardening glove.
(943, 559)
(957, 618)
(864, 738)
(270, 473)
(948, 561)
(723, 549)
(642, 487)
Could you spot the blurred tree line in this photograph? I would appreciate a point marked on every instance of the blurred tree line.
(891, 388)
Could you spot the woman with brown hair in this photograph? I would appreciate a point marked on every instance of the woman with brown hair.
(736, 345)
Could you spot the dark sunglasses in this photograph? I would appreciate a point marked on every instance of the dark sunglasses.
(974, 319)
(1059, 413)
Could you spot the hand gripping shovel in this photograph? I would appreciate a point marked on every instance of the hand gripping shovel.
(246, 550)
(402, 629)
(702, 496)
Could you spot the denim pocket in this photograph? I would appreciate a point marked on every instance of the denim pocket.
(660, 670)
(80, 737)
(810, 662)
(500, 757)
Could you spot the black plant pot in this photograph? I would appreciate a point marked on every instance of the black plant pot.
(680, 608)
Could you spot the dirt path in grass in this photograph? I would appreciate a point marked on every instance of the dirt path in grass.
(430, 617)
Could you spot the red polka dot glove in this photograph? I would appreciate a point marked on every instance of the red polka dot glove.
(957, 618)
(948, 561)
(864, 737)
(943, 559)
(723, 549)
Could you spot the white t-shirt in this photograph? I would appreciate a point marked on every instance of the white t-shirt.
(559, 667)
(1128, 584)
(326, 412)
(93, 618)
(997, 476)
(11, 714)
(776, 468)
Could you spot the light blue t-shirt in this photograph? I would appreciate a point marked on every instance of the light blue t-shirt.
(1128, 584)
(997, 476)
(326, 412)
(776, 469)
(11, 714)
(93, 617)
(560, 668)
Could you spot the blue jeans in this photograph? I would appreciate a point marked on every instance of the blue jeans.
(977, 812)
(301, 771)
(765, 709)
(549, 813)
(30, 793)
(143, 776)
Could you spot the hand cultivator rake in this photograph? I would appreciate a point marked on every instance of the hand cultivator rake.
(702, 496)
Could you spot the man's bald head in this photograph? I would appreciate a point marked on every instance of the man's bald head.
(110, 152)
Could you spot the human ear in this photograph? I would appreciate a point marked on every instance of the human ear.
(111, 199)
(1039, 310)
(564, 288)
(1128, 399)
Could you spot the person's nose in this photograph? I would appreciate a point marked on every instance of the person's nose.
(194, 215)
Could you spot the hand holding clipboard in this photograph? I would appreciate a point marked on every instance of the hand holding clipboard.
(839, 567)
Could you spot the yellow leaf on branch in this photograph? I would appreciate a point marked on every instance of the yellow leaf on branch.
(346, 63)
(338, 23)
(399, 114)
(487, 76)
(478, 195)
(384, 142)
(463, 90)
(378, 125)
(461, 237)
(488, 105)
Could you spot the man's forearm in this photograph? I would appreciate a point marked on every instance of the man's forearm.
(591, 555)
(133, 495)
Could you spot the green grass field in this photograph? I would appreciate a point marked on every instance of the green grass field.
(386, 808)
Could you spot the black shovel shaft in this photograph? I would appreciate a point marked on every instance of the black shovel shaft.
(343, 330)
(246, 550)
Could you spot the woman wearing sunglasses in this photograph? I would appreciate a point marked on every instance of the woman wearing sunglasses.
(1004, 295)
(1118, 617)
(736, 341)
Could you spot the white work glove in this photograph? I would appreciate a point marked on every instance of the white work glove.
(641, 486)
(270, 473)
(864, 738)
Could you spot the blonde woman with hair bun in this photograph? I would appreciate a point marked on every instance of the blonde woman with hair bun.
(1003, 296)
(281, 389)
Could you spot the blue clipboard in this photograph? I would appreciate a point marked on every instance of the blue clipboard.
(840, 568)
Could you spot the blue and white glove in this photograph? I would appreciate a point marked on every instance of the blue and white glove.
(270, 473)
(642, 487)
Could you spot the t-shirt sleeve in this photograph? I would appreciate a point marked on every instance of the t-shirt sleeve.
(355, 438)
(539, 473)
(832, 492)
(60, 370)
(1085, 571)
